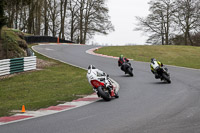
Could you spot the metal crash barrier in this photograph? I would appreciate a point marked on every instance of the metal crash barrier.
(44, 39)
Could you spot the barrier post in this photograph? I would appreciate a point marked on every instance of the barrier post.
(58, 40)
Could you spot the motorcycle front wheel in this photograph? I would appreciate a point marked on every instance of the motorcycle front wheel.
(166, 78)
(105, 95)
(130, 72)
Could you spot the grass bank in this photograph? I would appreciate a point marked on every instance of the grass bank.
(12, 45)
(53, 84)
(185, 56)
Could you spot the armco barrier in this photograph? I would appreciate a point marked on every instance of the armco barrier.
(44, 39)
(10, 66)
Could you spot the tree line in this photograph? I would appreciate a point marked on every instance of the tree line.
(172, 22)
(75, 20)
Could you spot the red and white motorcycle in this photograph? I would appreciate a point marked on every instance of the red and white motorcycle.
(101, 83)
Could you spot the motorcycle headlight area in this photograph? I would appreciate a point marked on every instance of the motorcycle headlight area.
(96, 83)
(157, 68)
(102, 79)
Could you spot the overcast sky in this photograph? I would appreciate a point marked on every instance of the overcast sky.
(122, 13)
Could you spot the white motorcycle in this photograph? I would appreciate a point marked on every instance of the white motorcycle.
(162, 72)
(101, 83)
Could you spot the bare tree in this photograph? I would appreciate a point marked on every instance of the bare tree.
(73, 9)
(46, 18)
(75, 19)
(98, 19)
(93, 18)
(188, 18)
(63, 10)
(81, 16)
(30, 26)
(2, 17)
(158, 22)
(10, 11)
(39, 5)
(53, 13)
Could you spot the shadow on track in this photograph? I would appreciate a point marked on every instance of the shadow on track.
(125, 76)
(159, 83)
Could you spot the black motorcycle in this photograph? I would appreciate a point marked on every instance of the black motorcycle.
(126, 67)
(163, 74)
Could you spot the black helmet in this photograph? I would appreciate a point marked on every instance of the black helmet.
(153, 59)
(91, 67)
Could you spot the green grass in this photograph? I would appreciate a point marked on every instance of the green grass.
(185, 56)
(39, 89)
(11, 33)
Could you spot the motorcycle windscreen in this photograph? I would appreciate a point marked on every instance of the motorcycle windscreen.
(155, 65)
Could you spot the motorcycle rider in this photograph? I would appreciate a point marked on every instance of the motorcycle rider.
(121, 61)
(154, 65)
(99, 75)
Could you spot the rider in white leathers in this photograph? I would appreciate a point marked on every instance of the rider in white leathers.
(154, 65)
(94, 73)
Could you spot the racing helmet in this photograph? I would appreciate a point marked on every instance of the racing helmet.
(91, 67)
(121, 56)
(152, 60)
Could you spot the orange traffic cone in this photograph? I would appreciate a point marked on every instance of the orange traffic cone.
(23, 109)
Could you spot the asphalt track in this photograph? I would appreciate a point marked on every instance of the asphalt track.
(145, 105)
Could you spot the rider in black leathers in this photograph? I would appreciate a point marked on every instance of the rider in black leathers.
(121, 61)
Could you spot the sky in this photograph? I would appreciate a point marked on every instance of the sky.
(123, 13)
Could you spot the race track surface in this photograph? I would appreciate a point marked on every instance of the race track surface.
(145, 104)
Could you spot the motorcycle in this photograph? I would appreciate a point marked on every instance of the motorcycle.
(126, 67)
(163, 74)
(102, 85)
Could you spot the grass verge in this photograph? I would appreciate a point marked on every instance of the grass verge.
(185, 56)
(54, 84)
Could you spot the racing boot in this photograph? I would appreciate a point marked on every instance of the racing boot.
(157, 76)
(116, 95)
(110, 89)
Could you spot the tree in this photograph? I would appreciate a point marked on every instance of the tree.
(46, 20)
(30, 25)
(63, 10)
(75, 19)
(93, 19)
(73, 22)
(158, 22)
(38, 16)
(53, 13)
(2, 18)
(81, 11)
(9, 7)
(188, 18)
(88, 17)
